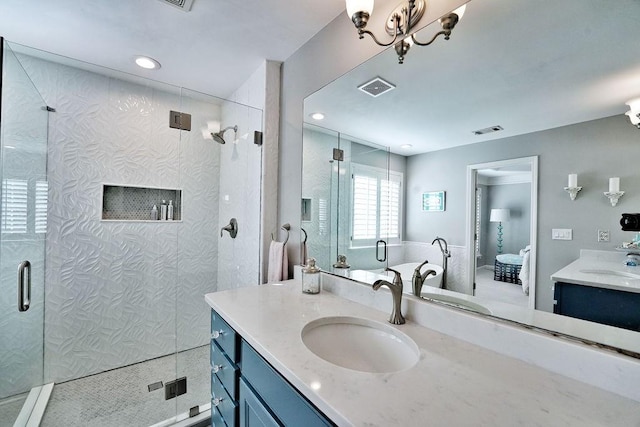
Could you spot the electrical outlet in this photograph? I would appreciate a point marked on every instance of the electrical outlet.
(603, 235)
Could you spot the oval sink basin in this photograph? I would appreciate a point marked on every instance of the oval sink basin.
(360, 344)
(458, 302)
(612, 273)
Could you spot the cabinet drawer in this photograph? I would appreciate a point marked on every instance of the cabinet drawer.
(216, 418)
(224, 335)
(291, 408)
(222, 402)
(226, 371)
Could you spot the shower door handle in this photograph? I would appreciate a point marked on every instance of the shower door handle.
(382, 258)
(24, 286)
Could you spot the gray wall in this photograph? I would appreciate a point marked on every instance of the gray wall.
(595, 150)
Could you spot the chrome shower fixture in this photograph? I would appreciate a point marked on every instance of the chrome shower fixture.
(219, 136)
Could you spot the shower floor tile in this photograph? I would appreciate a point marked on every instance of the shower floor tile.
(120, 397)
(10, 409)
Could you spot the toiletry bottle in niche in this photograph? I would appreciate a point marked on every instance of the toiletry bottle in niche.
(170, 211)
(154, 213)
(311, 277)
(163, 210)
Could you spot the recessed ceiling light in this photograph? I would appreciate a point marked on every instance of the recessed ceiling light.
(147, 63)
(317, 116)
(406, 146)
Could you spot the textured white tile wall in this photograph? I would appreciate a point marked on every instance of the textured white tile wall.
(240, 185)
(118, 293)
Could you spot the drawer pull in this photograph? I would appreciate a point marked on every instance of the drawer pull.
(217, 401)
(216, 368)
(216, 334)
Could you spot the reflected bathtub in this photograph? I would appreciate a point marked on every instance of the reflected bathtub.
(406, 271)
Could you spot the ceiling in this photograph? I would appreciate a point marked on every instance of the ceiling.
(521, 64)
(213, 48)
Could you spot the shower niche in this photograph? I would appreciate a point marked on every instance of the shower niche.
(130, 203)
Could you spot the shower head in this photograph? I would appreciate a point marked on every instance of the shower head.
(219, 136)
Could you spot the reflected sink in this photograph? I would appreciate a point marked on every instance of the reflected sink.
(612, 273)
(360, 344)
(457, 302)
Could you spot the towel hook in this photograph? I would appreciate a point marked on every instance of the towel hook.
(286, 227)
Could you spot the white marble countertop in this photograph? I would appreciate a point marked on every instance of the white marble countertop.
(600, 269)
(453, 383)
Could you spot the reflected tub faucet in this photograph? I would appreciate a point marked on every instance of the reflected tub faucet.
(445, 256)
(418, 279)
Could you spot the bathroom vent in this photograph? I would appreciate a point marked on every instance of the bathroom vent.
(184, 5)
(488, 130)
(376, 87)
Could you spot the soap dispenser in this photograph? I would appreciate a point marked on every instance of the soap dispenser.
(341, 267)
(311, 277)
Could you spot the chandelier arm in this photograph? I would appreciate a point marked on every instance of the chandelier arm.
(376, 40)
(445, 33)
(396, 21)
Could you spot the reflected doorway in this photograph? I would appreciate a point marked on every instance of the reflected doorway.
(501, 230)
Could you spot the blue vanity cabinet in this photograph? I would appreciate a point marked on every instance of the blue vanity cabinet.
(225, 373)
(253, 412)
(601, 305)
(280, 397)
(248, 392)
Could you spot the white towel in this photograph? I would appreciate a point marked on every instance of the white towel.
(278, 262)
(524, 270)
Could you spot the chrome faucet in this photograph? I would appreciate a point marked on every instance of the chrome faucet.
(418, 279)
(445, 256)
(396, 292)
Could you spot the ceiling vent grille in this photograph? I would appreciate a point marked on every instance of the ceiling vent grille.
(376, 87)
(488, 130)
(184, 5)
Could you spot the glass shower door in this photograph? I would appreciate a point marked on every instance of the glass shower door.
(23, 224)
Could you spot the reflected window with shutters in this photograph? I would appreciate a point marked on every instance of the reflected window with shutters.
(24, 207)
(376, 205)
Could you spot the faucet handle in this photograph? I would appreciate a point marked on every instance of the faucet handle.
(417, 269)
(397, 279)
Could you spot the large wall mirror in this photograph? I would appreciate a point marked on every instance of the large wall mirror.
(464, 160)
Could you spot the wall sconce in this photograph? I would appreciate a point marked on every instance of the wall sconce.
(614, 192)
(573, 188)
(499, 216)
(634, 112)
(401, 20)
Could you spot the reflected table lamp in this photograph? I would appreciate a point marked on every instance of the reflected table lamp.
(499, 216)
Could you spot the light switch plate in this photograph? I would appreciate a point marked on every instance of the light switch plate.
(562, 234)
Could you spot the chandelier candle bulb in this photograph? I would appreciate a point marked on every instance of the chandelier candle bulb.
(573, 180)
(614, 185)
